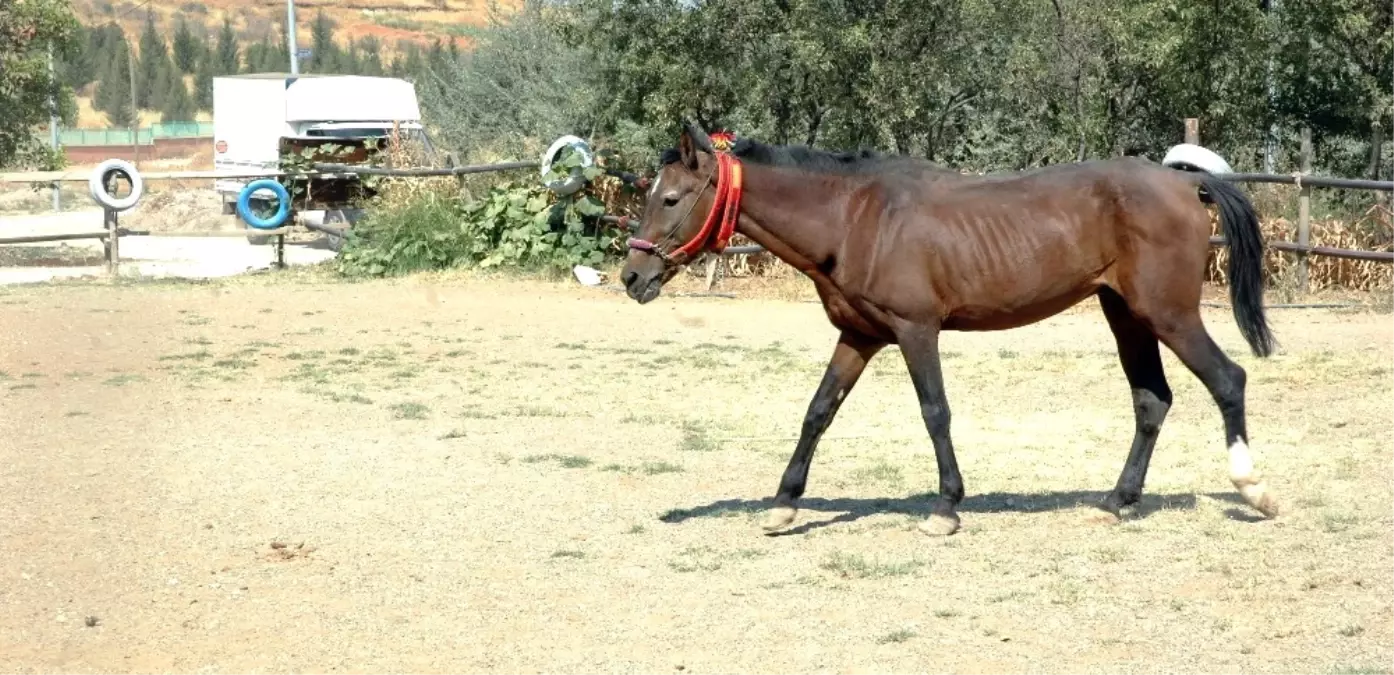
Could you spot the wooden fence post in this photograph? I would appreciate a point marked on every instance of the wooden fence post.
(113, 244)
(1304, 210)
(1193, 131)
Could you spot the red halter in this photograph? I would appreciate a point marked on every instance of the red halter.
(726, 209)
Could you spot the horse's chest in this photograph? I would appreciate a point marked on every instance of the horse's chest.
(844, 314)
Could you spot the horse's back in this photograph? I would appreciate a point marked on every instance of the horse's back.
(1000, 251)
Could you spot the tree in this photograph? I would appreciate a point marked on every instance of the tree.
(114, 92)
(517, 86)
(154, 55)
(27, 31)
(370, 62)
(186, 47)
(178, 107)
(325, 51)
(227, 59)
(203, 84)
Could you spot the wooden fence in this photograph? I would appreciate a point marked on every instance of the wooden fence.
(111, 232)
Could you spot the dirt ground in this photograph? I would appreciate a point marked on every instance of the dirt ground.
(465, 475)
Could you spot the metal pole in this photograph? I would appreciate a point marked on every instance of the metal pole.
(290, 37)
(53, 120)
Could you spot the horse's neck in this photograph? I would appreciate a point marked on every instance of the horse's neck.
(794, 215)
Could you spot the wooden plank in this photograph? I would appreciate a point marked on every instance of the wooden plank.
(67, 236)
(1304, 210)
(81, 177)
(112, 243)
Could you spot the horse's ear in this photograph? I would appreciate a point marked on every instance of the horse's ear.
(687, 151)
(689, 145)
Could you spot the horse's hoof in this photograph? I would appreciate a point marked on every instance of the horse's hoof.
(1266, 504)
(1103, 517)
(939, 525)
(1257, 494)
(779, 518)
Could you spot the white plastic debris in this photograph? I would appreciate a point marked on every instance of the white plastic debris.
(588, 276)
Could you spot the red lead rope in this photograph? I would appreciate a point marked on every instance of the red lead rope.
(725, 213)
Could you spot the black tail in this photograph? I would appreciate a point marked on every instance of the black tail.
(1239, 224)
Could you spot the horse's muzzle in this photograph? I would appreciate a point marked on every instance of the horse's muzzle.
(642, 288)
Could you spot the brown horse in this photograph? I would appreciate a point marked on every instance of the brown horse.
(899, 250)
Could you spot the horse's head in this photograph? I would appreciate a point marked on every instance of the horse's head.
(692, 206)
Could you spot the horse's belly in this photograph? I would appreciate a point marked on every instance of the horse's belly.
(1003, 316)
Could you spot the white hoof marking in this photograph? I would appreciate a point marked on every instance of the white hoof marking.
(779, 517)
(939, 526)
(1248, 480)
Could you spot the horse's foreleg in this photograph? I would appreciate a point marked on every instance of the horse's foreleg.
(920, 346)
(849, 360)
(1140, 354)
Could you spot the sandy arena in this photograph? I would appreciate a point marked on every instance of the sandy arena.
(280, 474)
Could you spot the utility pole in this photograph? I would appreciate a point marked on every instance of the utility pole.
(135, 111)
(290, 37)
(53, 120)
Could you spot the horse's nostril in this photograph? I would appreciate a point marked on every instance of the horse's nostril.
(628, 278)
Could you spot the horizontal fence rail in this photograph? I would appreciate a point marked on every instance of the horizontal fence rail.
(1301, 180)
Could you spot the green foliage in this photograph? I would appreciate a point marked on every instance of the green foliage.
(114, 91)
(178, 105)
(227, 55)
(187, 47)
(517, 225)
(515, 91)
(153, 64)
(27, 30)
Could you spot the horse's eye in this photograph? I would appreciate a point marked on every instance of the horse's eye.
(670, 201)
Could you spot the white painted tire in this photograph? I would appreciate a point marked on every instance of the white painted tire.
(97, 189)
(576, 180)
(1187, 156)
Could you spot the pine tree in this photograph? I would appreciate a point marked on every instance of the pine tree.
(226, 57)
(170, 79)
(178, 106)
(186, 47)
(371, 62)
(203, 84)
(77, 66)
(153, 56)
(114, 92)
(348, 61)
(325, 55)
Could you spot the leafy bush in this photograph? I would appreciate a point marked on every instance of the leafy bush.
(415, 225)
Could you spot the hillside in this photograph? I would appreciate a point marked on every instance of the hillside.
(391, 21)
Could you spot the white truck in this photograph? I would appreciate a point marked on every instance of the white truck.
(258, 117)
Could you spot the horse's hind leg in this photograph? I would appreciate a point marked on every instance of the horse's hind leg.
(1187, 338)
(1142, 364)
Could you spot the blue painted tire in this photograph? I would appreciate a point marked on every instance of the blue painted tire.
(244, 204)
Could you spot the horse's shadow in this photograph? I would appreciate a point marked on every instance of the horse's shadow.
(921, 505)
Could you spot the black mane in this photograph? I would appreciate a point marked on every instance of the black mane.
(813, 159)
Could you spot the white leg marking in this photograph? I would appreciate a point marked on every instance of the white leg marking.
(1241, 463)
(1248, 480)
